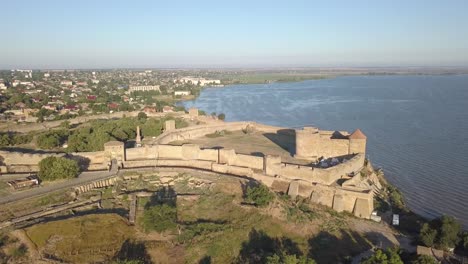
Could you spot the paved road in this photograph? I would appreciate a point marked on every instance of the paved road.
(83, 178)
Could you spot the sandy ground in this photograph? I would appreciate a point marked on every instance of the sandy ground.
(257, 143)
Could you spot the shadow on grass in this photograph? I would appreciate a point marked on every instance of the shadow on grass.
(205, 260)
(164, 195)
(260, 246)
(326, 247)
(133, 251)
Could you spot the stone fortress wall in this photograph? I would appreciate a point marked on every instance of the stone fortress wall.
(312, 143)
(319, 184)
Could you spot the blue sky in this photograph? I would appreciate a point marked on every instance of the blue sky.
(106, 34)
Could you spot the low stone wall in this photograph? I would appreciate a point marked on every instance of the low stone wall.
(198, 131)
(274, 166)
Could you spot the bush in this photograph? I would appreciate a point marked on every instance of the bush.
(142, 116)
(19, 252)
(396, 198)
(259, 195)
(390, 256)
(54, 168)
(422, 259)
(289, 259)
(427, 235)
(442, 233)
(221, 116)
(449, 231)
(160, 218)
(200, 229)
(51, 139)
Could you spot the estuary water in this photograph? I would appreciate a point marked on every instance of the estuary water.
(417, 126)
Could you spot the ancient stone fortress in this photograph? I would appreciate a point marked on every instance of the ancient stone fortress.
(337, 184)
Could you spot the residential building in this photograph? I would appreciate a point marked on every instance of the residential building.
(144, 88)
(182, 93)
(66, 83)
(201, 81)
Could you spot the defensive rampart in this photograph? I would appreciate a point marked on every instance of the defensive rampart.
(306, 181)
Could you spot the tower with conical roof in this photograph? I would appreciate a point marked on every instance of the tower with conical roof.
(357, 142)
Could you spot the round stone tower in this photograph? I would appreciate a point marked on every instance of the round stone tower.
(307, 143)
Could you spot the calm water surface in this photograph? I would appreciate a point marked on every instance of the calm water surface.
(417, 126)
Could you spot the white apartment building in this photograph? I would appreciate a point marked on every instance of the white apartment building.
(182, 93)
(66, 83)
(144, 88)
(202, 81)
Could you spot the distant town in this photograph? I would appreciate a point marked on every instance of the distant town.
(48, 95)
(37, 96)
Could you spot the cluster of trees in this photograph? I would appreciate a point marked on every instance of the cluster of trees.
(389, 256)
(12, 139)
(396, 198)
(259, 195)
(263, 248)
(221, 116)
(393, 256)
(284, 258)
(93, 138)
(52, 139)
(54, 168)
(443, 233)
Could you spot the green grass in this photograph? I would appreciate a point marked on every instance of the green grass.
(80, 234)
(253, 78)
(4, 188)
(53, 198)
(225, 227)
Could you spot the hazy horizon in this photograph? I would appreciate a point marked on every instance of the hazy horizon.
(203, 34)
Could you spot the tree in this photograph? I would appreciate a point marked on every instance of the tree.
(65, 124)
(54, 168)
(427, 235)
(260, 195)
(142, 116)
(4, 140)
(390, 256)
(289, 259)
(449, 230)
(465, 240)
(51, 139)
(221, 116)
(423, 259)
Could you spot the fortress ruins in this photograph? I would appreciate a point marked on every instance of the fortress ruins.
(338, 184)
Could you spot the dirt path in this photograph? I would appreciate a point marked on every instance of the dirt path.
(382, 235)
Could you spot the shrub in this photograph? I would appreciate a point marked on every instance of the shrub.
(390, 256)
(284, 258)
(449, 230)
(422, 259)
(259, 195)
(200, 229)
(396, 198)
(221, 116)
(51, 139)
(427, 235)
(19, 252)
(160, 218)
(142, 116)
(54, 168)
